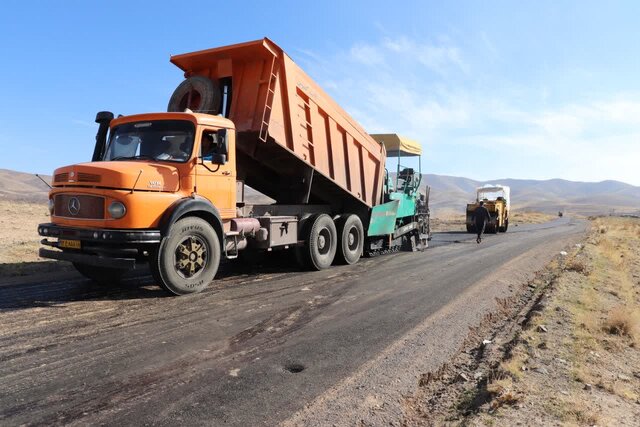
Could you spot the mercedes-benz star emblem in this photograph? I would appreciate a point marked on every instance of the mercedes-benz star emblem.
(74, 206)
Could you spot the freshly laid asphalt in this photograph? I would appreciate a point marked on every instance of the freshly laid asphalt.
(254, 348)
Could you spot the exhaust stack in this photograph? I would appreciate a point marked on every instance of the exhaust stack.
(103, 118)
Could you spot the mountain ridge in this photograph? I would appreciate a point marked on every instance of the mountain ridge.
(449, 194)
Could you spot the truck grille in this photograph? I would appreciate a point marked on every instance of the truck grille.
(79, 206)
(62, 177)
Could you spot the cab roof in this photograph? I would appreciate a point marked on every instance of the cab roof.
(198, 118)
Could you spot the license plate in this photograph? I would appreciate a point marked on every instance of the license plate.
(69, 244)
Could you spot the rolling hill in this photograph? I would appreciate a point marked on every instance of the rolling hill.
(449, 194)
(25, 187)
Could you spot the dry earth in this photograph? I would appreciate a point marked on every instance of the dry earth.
(568, 357)
(20, 240)
(452, 221)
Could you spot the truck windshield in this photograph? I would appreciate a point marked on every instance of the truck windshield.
(163, 140)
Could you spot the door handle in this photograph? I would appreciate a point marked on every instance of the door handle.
(226, 173)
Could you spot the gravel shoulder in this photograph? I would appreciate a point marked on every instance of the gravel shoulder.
(567, 357)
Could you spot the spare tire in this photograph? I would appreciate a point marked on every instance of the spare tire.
(197, 93)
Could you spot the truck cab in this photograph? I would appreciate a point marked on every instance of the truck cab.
(151, 170)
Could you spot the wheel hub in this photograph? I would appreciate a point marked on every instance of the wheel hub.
(190, 257)
(321, 241)
(353, 239)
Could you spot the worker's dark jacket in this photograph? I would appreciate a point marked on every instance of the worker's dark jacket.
(481, 216)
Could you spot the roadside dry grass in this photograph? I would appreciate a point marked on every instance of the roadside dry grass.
(448, 221)
(19, 237)
(577, 362)
(530, 217)
(452, 221)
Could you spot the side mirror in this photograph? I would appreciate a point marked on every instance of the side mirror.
(223, 144)
(218, 159)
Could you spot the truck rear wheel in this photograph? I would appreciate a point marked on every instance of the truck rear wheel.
(187, 260)
(320, 242)
(351, 235)
(101, 275)
(197, 93)
(471, 228)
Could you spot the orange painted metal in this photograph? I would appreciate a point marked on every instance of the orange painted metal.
(149, 189)
(289, 127)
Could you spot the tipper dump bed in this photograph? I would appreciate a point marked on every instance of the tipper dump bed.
(295, 144)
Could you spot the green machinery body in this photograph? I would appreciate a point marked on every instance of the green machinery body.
(403, 220)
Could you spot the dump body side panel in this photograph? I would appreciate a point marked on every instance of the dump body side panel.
(295, 144)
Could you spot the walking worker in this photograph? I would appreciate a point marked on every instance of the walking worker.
(482, 217)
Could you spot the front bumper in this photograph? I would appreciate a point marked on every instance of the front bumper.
(99, 247)
(100, 235)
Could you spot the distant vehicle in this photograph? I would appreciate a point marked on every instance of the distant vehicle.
(560, 213)
(168, 188)
(497, 200)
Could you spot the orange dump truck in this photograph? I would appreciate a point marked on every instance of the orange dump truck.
(167, 188)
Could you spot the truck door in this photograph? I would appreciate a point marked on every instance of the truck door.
(216, 180)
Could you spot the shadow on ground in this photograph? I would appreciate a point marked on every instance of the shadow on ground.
(58, 283)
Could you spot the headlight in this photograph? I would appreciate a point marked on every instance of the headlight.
(117, 210)
(51, 206)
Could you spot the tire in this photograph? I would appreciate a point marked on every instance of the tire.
(471, 229)
(350, 234)
(506, 225)
(199, 94)
(101, 275)
(321, 241)
(188, 259)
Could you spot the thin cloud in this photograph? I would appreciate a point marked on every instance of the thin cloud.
(384, 87)
(366, 54)
(441, 58)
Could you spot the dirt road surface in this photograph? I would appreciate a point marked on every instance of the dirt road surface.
(274, 346)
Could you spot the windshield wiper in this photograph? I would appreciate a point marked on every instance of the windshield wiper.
(139, 157)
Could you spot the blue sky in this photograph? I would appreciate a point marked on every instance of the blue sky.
(495, 89)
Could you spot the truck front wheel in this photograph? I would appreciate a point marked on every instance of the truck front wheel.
(351, 235)
(187, 260)
(101, 275)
